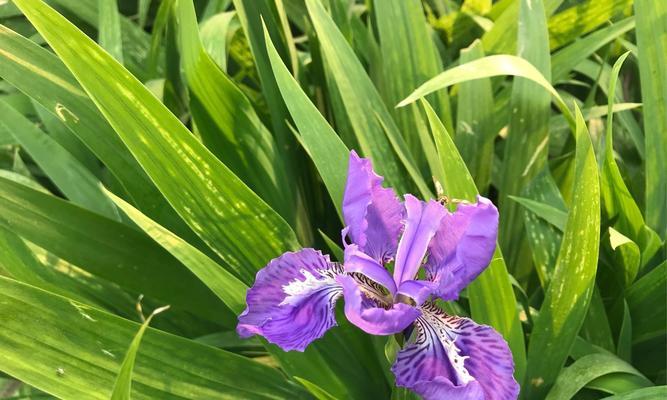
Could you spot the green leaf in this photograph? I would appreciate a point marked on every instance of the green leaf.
(38, 73)
(528, 130)
(227, 122)
(328, 152)
(586, 369)
(73, 351)
(566, 59)
(216, 34)
(568, 296)
(109, 35)
(583, 17)
(136, 41)
(553, 215)
(488, 67)
(316, 391)
(627, 255)
(618, 202)
(122, 388)
(408, 55)
(491, 296)
(227, 287)
(624, 342)
(652, 46)
(73, 179)
(115, 252)
(243, 230)
(649, 393)
(364, 106)
(647, 299)
(475, 125)
(543, 237)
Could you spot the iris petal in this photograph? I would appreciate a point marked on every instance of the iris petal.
(367, 307)
(452, 357)
(357, 261)
(292, 301)
(372, 213)
(462, 247)
(422, 222)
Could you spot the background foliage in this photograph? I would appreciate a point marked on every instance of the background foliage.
(171, 148)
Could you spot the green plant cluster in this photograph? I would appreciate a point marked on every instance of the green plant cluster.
(160, 153)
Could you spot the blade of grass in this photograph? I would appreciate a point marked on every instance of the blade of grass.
(71, 351)
(115, 252)
(618, 202)
(475, 122)
(568, 296)
(652, 45)
(528, 131)
(122, 388)
(491, 297)
(364, 106)
(109, 30)
(324, 147)
(202, 190)
(488, 67)
(227, 121)
(586, 369)
(408, 57)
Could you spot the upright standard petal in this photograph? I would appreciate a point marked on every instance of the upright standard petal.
(422, 222)
(292, 301)
(451, 357)
(462, 247)
(372, 213)
(370, 307)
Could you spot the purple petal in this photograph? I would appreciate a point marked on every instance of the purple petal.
(418, 290)
(357, 261)
(292, 300)
(423, 220)
(372, 213)
(463, 247)
(370, 309)
(451, 357)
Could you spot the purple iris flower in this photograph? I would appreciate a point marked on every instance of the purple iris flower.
(292, 302)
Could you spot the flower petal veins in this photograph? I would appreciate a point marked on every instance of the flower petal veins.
(462, 247)
(451, 357)
(372, 213)
(292, 301)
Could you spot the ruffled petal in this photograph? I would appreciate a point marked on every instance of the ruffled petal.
(372, 213)
(422, 222)
(451, 357)
(417, 290)
(462, 247)
(292, 300)
(358, 261)
(372, 310)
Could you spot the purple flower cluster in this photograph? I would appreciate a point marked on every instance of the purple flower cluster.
(292, 301)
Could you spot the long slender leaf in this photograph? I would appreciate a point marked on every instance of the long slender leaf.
(74, 180)
(73, 351)
(491, 297)
(116, 252)
(122, 388)
(325, 148)
(201, 189)
(584, 370)
(229, 126)
(109, 36)
(529, 131)
(568, 296)
(364, 106)
(652, 46)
